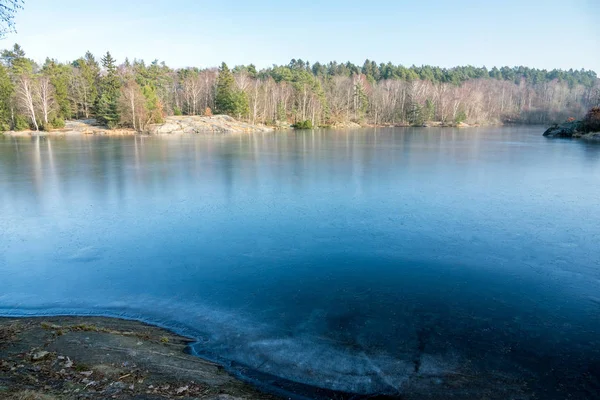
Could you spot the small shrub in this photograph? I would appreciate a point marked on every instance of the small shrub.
(57, 123)
(164, 339)
(208, 112)
(177, 111)
(460, 117)
(303, 125)
(21, 123)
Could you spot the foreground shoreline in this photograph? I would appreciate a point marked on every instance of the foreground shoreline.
(100, 357)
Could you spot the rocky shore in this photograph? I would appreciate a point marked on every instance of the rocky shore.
(573, 129)
(94, 358)
(197, 124)
(101, 358)
(587, 128)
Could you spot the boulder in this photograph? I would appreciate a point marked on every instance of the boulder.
(566, 130)
(39, 355)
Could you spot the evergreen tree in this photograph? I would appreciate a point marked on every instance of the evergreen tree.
(229, 100)
(60, 77)
(153, 105)
(17, 62)
(107, 104)
(429, 111)
(85, 85)
(7, 90)
(225, 89)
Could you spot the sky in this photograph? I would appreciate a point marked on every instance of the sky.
(535, 33)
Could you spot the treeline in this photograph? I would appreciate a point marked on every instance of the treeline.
(135, 94)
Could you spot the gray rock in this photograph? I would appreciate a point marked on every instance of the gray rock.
(39, 355)
(566, 130)
(198, 124)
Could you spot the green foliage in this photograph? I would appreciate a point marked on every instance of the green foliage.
(57, 123)
(21, 123)
(46, 127)
(429, 111)
(229, 100)
(224, 100)
(153, 105)
(16, 61)
(7, 90)
(303, 125)
(377, 72)
(107, 110)
(107, 104)
(241, 107)
(362, 101)
(321, 93)
(85, 80)
(415, 115)
(281, 112)
(461, 117)
(60, 76)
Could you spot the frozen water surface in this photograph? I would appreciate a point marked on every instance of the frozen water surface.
(392, 261)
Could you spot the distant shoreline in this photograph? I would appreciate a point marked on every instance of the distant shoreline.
(215, 124)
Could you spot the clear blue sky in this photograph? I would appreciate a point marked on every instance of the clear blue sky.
(536, 33)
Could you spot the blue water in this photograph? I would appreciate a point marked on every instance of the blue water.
(372, 261)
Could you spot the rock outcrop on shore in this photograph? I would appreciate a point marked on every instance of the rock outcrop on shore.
(588, 128)
(197, 124)
(565, 130)
(94, 358)
(573, 129)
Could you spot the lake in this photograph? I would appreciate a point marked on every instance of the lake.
(429, 260)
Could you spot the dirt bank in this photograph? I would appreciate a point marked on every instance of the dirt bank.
(102, 358)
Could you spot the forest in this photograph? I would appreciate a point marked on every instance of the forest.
(134, 94)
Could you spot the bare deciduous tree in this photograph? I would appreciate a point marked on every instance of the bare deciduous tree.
(26, 97)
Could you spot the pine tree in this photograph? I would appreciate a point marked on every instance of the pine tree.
(60, 76)
(229, 100)
(17, 62)
(85, 84)
(224, 100)
(107, 103)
